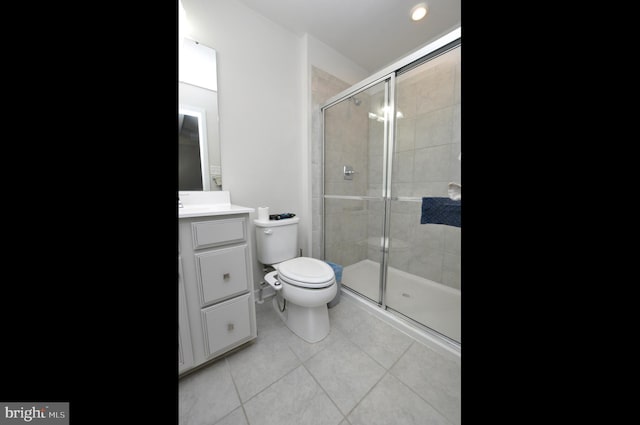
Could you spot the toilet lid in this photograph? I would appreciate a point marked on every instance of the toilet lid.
(306, 272)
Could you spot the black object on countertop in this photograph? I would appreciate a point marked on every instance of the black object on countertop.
(281, 216)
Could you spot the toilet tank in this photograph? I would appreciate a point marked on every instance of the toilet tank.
(276, 240)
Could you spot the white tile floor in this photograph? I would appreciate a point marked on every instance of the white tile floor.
(363, 372)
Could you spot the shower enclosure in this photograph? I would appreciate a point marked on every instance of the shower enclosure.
(389, 142)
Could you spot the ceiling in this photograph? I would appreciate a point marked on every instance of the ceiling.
(372, 33)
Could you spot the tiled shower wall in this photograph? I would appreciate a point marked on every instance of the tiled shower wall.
(426, 155)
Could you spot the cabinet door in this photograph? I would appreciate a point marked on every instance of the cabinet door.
(227, 324)
(222, 273)
(185, 349)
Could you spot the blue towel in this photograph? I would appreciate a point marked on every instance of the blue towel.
(441, 211)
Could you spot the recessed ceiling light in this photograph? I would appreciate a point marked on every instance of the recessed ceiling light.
(419, 11)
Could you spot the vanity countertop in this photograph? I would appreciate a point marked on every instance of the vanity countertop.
(214, 209)
(200, 204)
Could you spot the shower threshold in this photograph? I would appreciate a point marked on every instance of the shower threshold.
(424, 301)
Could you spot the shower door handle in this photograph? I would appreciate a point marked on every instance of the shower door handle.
(348, 172)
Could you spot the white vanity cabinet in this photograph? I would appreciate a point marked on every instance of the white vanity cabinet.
(216, 272)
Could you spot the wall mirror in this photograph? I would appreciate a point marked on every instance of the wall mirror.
(199, 165)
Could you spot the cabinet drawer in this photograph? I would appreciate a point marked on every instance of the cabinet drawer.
(217, 232)
(226, 324)
(221, 273)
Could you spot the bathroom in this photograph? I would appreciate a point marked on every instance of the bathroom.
(268, 80)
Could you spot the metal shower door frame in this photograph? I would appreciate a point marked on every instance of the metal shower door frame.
(387, 150)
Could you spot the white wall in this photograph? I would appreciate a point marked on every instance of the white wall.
(259, 85)
(264, 106)
(327, 59)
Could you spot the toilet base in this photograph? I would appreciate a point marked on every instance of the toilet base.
(309, 323)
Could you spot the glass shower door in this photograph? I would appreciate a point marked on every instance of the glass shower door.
(355, 155)
(423, 277)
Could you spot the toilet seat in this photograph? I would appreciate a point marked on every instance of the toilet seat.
(306, 272)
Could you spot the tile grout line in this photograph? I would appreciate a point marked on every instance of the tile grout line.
(226, 362)
(386, 372)
(367, 393)
(268, 386)
(412, 340)
(287, 373)
(302, 363)
(402, 355)
(423, 399)
(412, 390)
(344, 417)
(348, 339)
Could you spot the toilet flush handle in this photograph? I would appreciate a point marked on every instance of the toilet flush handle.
(270, 278)
(268, 231)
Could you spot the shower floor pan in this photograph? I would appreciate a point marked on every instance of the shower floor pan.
(430, 303)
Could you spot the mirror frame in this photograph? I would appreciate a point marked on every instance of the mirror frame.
(200, 114)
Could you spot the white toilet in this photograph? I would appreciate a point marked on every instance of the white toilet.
(303, 285)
